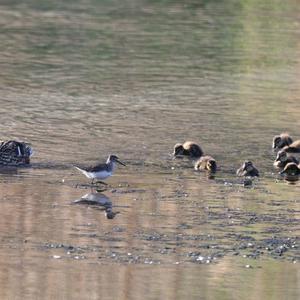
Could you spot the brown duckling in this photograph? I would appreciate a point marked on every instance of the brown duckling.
(291, 169)
(282, 140)
(293, 147)
(206, 163)
(247, 169)
(14, 153)
(188, 148)
(282, 159)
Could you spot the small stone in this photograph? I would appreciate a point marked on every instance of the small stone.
(56, 256)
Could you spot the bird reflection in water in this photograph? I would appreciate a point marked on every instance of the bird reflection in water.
(291, 172)
(291, 179)
(8, 171)
(98, 199)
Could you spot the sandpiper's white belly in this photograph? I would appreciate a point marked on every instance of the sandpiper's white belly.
(98, 175)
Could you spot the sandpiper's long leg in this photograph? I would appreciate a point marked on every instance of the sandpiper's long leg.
(93, 181)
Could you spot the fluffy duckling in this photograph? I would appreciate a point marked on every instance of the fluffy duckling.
(282, 159)
(188, 148)
(282, 140)
(293, 147)
(291, 169)
(206, 163)
(14, 153)
(247, 169)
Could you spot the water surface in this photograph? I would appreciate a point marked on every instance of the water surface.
(82, 79)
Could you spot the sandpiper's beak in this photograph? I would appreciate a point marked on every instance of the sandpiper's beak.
(120, 162)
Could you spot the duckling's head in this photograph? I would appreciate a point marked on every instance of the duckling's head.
(279, 141)
(26, 152)
(178, 150)
(247, 166)
(212, 165)
(276, 142)
(291, 169)
(281, 156)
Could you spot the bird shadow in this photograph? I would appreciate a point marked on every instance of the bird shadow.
(98, 200)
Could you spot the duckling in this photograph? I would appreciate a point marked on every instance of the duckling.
(14, 153)
(282, 159)
(247, 169)
(188, 148)
(293, 147)
(291, 169)
(206, 163)
(282, 140)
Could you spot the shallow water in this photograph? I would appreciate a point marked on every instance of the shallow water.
(82, 79)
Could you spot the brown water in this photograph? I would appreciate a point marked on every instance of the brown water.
(82, 79)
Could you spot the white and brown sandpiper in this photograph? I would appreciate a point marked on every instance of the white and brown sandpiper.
(101, 171)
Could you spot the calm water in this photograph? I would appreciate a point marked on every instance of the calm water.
(82, 79)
